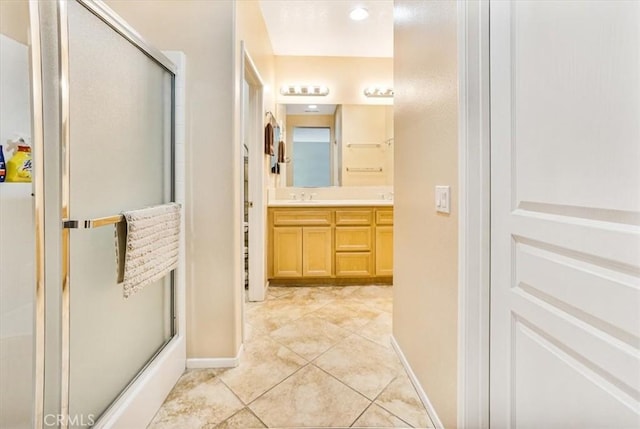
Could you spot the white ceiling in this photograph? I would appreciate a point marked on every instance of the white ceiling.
(323, 27)
(304, 109)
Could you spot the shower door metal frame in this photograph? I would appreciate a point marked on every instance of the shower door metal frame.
(101, 11)
(37, 127)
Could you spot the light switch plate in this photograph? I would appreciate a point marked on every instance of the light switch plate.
(443, 199)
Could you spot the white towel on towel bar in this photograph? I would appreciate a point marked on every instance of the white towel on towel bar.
(151, 245)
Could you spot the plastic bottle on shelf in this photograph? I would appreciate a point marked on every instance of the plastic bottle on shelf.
(3, 166)
(19, 166)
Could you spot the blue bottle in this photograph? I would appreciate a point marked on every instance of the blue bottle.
(3, 167)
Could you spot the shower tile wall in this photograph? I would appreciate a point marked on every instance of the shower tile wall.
(17, 249)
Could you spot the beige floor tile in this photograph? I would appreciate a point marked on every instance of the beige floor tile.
(243, 419)
(200, 401)
(309, 336)
(361, 364)
(278, 291)
(373, 292)
(273, 314)
(376, 297)
(252, 332)
(378, 417)
(263, 364)
(381, 304)
(350, 315)
(378, 330)
(192, 378)
(309, 398)
(401, 398)
(345, 328)
(345, 291)
(315, 293)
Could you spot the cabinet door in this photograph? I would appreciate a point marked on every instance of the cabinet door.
(317, 250)
(287, 251)
(384, 251)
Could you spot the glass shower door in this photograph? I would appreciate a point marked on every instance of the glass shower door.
(119, 157)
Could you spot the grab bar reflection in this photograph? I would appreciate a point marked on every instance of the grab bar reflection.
(364, 169)
(93, 223)
(363, 145)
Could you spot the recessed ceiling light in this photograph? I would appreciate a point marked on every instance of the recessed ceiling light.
(312, 106)
(358, 14)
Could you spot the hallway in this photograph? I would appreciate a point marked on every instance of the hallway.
(313, 357)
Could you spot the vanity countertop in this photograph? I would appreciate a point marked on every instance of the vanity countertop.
(330, 203)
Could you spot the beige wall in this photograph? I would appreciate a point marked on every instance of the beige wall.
(365, 125)
(425, 272)
(252, 29)
(14, 19)
(346, 78)
(203, 30)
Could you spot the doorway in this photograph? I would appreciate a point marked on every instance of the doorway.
(253, 183)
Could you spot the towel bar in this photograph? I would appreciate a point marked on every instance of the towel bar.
(363, 145)
(364, 169)
(92, 223)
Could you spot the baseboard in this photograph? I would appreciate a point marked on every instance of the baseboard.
(437, 423)
(332, 281)
(202, 363)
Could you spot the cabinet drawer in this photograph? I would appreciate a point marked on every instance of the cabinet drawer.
(302, 217)
(384, 217)
(353, 217)
(353, 264)
(353, 238)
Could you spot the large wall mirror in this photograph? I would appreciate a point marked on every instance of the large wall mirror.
(337, 145)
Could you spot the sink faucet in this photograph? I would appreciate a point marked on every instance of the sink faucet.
(302, 196)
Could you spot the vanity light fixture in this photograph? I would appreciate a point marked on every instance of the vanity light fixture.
(306, 90)
(359, 13)
(376, 91)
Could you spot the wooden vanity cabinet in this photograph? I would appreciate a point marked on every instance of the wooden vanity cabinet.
(301, 243)
(347, 244)
(354, 245)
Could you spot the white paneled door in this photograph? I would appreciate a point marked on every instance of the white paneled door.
(565, 178)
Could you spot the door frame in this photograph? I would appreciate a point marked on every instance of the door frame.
(252, 134)
(474, 238)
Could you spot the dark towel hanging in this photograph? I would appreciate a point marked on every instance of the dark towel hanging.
(268, 139)
(281, 151)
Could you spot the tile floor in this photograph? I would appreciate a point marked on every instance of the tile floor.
(314, 357)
